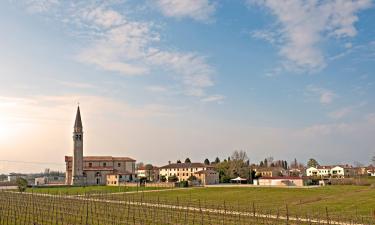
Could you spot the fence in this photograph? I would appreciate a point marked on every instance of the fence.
(33, 208)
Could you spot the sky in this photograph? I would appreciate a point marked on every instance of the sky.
(160, 80)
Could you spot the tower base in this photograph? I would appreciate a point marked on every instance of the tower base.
(78, 181)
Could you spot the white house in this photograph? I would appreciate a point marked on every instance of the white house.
(320, 171)
(331, 171)
(12, 177)
(370, 171)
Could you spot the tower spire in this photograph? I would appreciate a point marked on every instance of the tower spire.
(78, 122)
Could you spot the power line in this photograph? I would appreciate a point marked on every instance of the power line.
(36, 163)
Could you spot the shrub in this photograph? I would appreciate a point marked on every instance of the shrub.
(21, 184)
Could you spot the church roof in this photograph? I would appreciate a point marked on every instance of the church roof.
(101, 158)
(78, 122)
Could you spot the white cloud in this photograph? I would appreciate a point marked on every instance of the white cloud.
(305, 24)
(40, 6)
(327, 129)
(195, 72)
(155, 88)
(325, 96)
(128, 47)
(200, 10)
(214, 98)
(338, 114)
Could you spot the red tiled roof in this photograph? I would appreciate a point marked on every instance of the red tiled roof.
(184, 165)
(325, 167)
(101, 158)
(96, 168)
(281, 178)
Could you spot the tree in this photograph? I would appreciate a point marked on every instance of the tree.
(207, 162)
(140, 165)
(192, 178)
(173, 178)
(217, 160)
(3, 177)
(21, 184)
(312, 163)
(261, 164)
(149, 171)
(163, 179)
(178, 161)
(223, 170)
(238, 165)
(187, 160)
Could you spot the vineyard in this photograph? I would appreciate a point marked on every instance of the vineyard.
(143, 209)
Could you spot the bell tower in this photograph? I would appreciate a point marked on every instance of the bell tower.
(77, 170)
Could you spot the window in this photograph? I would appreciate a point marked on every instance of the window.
(90, 164)
(104, 164)
(118, 164)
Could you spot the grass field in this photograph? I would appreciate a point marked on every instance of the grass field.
(87, 190)
(346, 204)
(345, 200)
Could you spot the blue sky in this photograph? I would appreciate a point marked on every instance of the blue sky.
(169, 79)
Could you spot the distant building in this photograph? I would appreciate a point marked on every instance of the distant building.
(280, 181)
(339, 171)
(117, 179)
(370, 170)
(93, 170)
(150, 175)
(12, 177)
(271, 171)
(49, 180)
(204, 173)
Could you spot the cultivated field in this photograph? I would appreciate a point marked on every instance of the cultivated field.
(89, 189)
(230, 205)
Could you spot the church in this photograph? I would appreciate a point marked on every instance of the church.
(93, 170)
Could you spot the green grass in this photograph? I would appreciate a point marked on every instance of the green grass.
(89, 189)
(340, 200)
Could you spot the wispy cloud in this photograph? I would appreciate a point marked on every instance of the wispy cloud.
(38, 6)
(325, 96)
(131, 47)
(200, 10)
(214, 98)
(303, 25)
(155, 88)
(340, 113)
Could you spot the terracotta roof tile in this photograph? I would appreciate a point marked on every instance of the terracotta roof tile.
(101, 158)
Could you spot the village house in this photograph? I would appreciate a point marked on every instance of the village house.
(370, 170)
(271, 171)
(340, 171)
(182, 171)
(279, 181)
(117, 179)
(12, 177)
(93, 170)
(151, 174)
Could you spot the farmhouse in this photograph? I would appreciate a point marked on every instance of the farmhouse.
(148, 172)
(271, 171)
(340, 171)
(90, 170)
(182, 171)
(279, 181)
